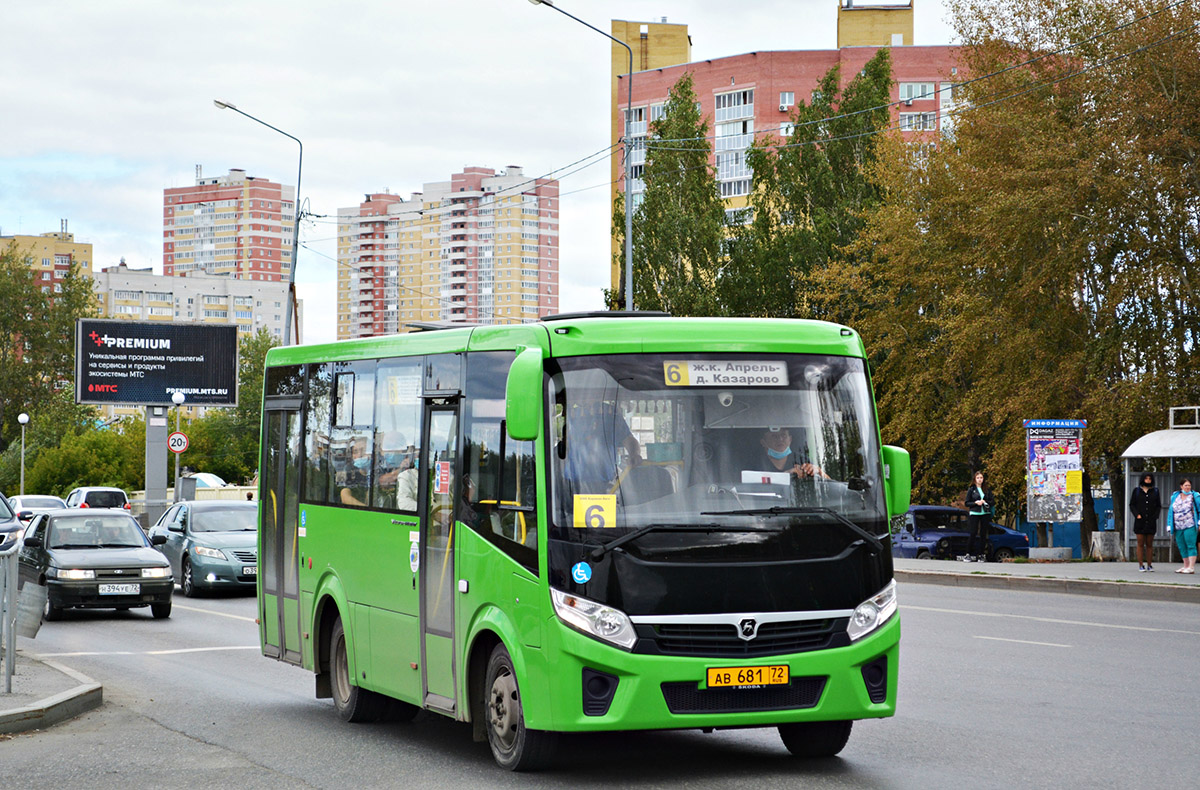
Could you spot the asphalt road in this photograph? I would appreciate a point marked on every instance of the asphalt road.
(997, 689)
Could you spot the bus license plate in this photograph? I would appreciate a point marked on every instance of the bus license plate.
(773, 675)
(120, 589)
(249, 570)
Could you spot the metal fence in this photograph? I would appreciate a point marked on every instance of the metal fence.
(9, 543)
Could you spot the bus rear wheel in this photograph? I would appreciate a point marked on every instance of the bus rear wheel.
(514, 747)
(815, 738)
(353, 703)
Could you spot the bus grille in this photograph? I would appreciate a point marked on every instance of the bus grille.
(717, 640)
(688, 697)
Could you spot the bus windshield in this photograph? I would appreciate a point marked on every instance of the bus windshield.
(732, 455)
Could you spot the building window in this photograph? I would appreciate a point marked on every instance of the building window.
(738, 104)
(916, 90)
(786, 99)
(918, 121)
(130, 296)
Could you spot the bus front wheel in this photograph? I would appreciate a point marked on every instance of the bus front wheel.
(352, 702)
(514, 747)
(815, 738)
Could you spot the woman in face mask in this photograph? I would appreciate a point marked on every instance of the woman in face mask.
(1144, 504)
(1182, 516)
(779, 457)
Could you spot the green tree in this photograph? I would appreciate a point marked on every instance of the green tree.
(679, 226)
(108, 457)
(810, 196)
(37, 336)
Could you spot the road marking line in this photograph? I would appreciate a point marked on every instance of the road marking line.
(1021, 641)
(1052, 620)
(210, 611)
(147, 652)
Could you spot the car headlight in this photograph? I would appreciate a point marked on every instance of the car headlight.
(76, 573)
(873, 612)
(594, 619)
(155, 573)
(205, 551)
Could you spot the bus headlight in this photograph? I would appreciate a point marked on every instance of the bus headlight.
(594, 619)
(873, 612)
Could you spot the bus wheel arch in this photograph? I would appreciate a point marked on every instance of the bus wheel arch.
(327, 614)
(477, 663)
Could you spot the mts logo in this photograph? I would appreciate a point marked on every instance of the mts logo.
(103, 388)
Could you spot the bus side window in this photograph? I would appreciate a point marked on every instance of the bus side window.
(351, 439)
(397, 434)
(316, 440)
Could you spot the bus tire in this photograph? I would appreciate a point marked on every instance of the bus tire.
(815, 738)
(514, 747)
(353, 703)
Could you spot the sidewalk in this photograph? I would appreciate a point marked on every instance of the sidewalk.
(44, 693)
(1112, 579)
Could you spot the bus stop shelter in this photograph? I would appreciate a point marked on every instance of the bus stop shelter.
(1181, 440)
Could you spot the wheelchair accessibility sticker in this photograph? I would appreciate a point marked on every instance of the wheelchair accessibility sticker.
(581, 572)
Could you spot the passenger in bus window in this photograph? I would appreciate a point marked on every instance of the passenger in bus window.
(355, 475)
(779, 456)
(595, 434)
(397, 472)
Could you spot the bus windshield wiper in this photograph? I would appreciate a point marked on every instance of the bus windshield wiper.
(599, 552)
(837, 517)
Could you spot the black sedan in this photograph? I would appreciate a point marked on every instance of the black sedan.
(95, 559)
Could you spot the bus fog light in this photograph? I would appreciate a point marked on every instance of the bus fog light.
(873, 612)
(594, 619)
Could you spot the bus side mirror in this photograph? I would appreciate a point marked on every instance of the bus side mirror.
(897, 471)
(523, 395)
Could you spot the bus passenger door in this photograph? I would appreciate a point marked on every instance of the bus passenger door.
(278, 564)
(439, 492)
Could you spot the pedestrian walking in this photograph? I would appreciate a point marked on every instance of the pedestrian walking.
(1144, 504)
(1183, 514)
(980, 506)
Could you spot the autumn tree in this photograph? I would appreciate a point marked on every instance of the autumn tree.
(1036, 264)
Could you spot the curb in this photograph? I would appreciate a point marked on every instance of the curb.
(1129, 590)
(86, 696)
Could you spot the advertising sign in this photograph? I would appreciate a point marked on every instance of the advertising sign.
(1054, 472)
(144, 363)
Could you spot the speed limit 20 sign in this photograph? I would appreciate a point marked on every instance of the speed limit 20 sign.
(177, 442)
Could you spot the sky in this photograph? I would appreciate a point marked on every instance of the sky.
(103, 105)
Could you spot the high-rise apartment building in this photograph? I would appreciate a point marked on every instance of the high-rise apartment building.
(52, 255)
(754, 94)
(481, 247)
(233, 225)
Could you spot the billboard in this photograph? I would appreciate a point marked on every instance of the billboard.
(144, 363)
(1054, 472)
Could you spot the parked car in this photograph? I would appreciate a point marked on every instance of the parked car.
(98, 496)
(933, 532)
(211, 544)
(29, 505)
(98, 558)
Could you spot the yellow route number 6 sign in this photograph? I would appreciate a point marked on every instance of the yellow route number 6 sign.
(595, 511)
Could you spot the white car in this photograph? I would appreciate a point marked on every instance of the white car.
(29, 505)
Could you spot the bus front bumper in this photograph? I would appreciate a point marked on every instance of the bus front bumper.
(670, 692)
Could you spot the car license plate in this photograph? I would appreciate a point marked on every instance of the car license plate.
(773, 675)
(249, 570)
(120, 589)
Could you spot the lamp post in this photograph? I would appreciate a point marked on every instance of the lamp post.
(177, 398)
(628, 157)
(223, 105)
(23, 418)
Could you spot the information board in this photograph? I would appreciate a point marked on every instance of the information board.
(1054, 474)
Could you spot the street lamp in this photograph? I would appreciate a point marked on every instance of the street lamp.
(224, 105)
(628, 157)
(177, 398)
(23, 418)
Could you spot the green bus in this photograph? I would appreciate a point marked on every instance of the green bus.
(592, 522)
